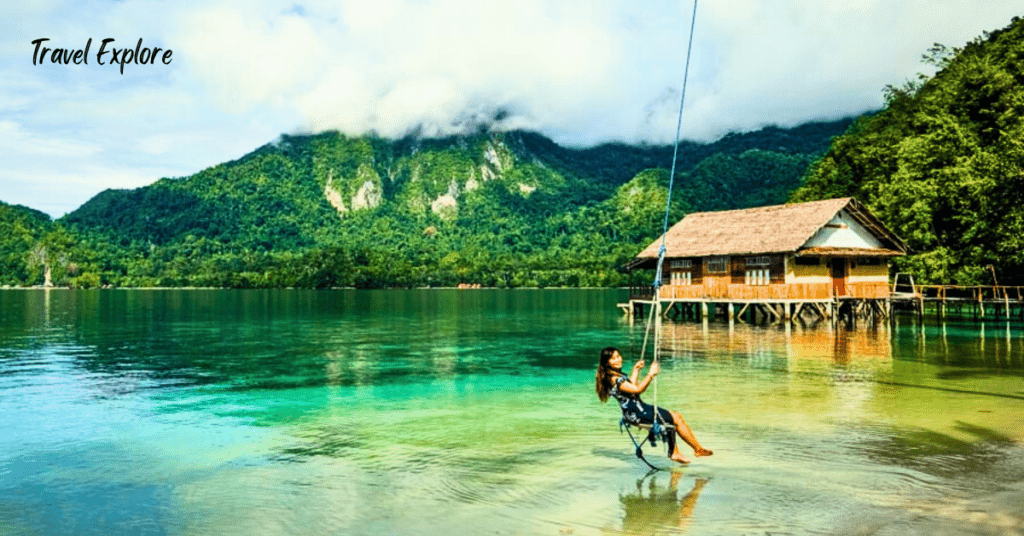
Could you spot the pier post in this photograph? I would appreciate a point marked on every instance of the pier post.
(731, 312)
(704, 310)
(787, 311)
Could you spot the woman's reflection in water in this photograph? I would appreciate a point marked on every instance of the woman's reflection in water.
(659, 508)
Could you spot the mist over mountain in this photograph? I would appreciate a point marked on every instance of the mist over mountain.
(489, 208)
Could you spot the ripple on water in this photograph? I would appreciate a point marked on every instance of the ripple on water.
(229, 416)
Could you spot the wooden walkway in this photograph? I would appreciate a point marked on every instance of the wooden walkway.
(978, 302)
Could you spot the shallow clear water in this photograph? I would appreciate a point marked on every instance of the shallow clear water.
(472, 412)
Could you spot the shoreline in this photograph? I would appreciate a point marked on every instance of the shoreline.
(40, 287)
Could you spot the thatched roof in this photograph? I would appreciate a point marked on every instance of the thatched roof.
(762, 230)
(822, 251)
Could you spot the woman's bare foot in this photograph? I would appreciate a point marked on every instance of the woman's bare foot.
(680, 458)
(703, 452)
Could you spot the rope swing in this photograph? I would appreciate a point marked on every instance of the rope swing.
(668, 207)
(660, 429)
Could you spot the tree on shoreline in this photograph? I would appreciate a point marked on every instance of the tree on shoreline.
(943, 164)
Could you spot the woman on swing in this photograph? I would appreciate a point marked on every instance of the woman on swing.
(610, 381)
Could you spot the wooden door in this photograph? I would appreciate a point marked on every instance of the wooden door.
(839, 276)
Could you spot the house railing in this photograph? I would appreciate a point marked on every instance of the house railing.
(781, 291)
(977, 293)
(641, 292)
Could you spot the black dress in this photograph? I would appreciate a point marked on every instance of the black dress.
(634, 410)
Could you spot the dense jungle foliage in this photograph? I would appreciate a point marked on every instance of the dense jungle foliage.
(22, 234)
(495, 209)
(943, 164)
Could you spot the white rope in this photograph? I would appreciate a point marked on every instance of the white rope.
(668, 207)
(647, 330)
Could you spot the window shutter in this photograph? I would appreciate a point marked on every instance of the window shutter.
(777, 269)
(739, 267)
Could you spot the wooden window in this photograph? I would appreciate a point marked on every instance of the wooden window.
(755, 271)
(760, 270)
(718, 264)
(682, 278)
(757, 276)
(681, 271)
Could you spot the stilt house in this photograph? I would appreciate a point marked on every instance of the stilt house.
(821, 250)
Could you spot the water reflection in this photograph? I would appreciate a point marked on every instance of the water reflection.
(698, 340)
(293, 412)
(655, 509)
(973, 349)
(993, 346)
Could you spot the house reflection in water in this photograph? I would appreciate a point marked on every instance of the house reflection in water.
(801, 374)
(788, 344)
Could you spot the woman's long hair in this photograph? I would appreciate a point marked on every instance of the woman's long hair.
(605, 374)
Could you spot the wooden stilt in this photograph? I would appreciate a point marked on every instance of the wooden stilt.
(744, 309)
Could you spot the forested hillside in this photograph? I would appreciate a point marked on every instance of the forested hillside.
(22, 233)
(496, 209)
(943, 163)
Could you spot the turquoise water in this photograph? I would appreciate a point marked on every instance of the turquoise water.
(472, 412)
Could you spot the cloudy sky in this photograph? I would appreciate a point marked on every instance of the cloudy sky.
(581, 72)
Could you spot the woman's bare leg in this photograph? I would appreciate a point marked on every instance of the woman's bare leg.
(684, 432)
(678, 456)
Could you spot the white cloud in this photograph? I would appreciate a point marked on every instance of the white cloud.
(580, 71)
(583, 71)
(16, 141)
(246, 59)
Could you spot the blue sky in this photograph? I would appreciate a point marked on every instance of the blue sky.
(582, 72)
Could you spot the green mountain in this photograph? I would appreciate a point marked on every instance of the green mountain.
(943, 163)
(497, 209)
(22, 234)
